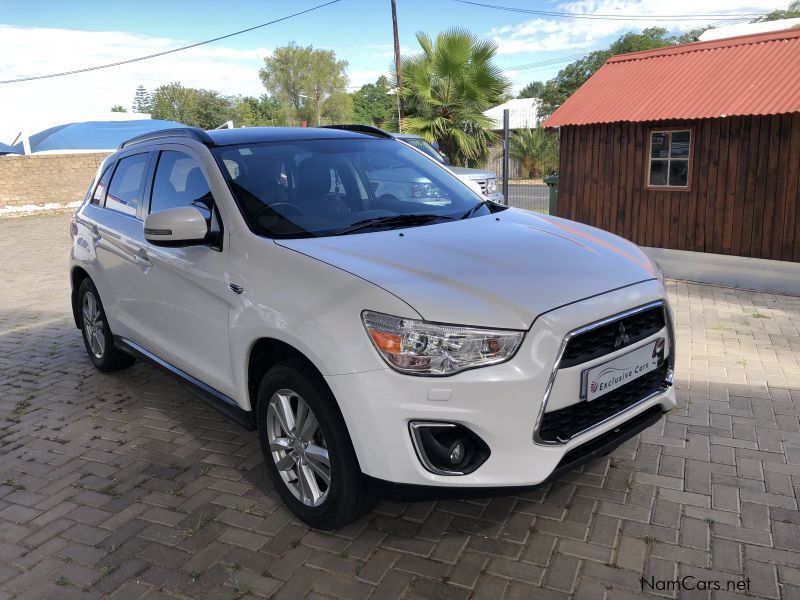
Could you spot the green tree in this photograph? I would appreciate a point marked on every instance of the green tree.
(536, 149)
(338, 108)
(294, 74)
(793, 11)
(532, 90)
(570, 78)
(209, 109)
(173, 102)
(447, 87)
(142, 102)
(118, 108)
(374, 105)
(248, 111)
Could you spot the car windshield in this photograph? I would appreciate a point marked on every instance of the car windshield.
(313, 188)
(425, 147)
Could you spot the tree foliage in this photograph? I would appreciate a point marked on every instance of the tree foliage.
(118, 108)
(570, 78)
(142, 101)
(373, 105)
(536, 149)
(793, 11)
(532, 90)
(294, 74)
(446, 89)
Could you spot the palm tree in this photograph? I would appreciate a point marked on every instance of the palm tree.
(537, 150)
(447, 87)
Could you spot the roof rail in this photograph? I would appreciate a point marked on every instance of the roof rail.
(368, 129)
(190, 132)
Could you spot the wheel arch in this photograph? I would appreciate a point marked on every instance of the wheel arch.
(76, 277)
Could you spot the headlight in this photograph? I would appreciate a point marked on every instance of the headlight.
(418, 347)
(424, 190)
(491, 185)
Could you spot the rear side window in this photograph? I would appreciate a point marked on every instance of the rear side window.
(102, 185)
(126, 184)
(180, 181)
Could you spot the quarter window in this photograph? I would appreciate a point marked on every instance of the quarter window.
(124, 190)
(102, 185)
(670, 155)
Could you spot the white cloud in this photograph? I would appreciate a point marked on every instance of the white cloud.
(541, 35)
(40, 51)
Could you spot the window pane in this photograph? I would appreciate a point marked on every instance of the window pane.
(658, 172)
(680, 144)
(659, 145)
(679, 173)
(180, 182)
(102, 186)
(123, 193)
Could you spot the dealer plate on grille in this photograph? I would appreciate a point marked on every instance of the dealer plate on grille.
(615, 373)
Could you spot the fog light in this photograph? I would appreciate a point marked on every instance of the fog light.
(456, 453)
(447, 448)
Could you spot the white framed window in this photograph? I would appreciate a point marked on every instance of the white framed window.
(669, 159)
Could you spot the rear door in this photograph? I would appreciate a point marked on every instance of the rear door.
(114, 219)
(185, 296)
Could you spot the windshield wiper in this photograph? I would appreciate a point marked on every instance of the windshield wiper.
(391, 220)
(474, 209)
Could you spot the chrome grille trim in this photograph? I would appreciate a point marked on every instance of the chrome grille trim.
(554, 373)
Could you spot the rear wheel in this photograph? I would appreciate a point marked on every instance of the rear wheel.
(307, 448)
(97, 336)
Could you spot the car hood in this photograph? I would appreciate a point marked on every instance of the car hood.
(501, 270)
(466, 173)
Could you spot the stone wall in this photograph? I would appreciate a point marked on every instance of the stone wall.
(46, 178)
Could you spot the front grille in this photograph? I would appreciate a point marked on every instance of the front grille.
(607, 338)
(482, 183)
(563, 424)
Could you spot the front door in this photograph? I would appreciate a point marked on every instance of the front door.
(186, 296)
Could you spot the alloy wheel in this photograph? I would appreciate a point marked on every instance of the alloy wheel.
(93, 325)
(298, 447)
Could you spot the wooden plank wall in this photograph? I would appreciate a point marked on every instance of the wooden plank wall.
(744, 194)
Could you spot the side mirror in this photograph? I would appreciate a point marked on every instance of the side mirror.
(182, 225)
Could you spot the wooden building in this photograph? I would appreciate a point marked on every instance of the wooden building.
(693, 147)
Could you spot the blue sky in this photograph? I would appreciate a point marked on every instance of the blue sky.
(39, 37)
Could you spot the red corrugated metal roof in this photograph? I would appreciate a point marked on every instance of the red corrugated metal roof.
(748, 75)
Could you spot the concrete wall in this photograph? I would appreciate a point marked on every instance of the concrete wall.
(46, 178)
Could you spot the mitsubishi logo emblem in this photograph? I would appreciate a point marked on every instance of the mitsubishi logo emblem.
(622, 338)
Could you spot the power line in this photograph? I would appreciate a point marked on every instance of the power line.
(165, 52)
(609, 17)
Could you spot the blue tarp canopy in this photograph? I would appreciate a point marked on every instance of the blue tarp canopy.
(6, 149)
(92, 135)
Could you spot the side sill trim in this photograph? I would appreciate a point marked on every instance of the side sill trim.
(224, 404)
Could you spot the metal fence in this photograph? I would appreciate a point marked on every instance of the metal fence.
(530, 194)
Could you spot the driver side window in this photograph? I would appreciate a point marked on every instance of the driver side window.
(179, 181)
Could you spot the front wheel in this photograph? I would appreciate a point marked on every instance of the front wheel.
(307, 448)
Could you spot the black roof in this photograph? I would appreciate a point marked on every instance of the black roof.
(254, 135)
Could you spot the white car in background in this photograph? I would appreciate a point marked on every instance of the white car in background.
(445, 346)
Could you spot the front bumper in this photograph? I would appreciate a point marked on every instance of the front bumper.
(501, 404)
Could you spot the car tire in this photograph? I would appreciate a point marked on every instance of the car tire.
(97, 336)
(316, 443)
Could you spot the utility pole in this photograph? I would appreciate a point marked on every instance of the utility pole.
(398, 70)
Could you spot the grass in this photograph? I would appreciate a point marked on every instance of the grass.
(12, 483)
(61, 581)
(108, 570)
(240, 590)
(760, 315)
(110, 491)
(190, 532)
(19, 409)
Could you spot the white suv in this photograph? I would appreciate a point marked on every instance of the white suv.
(435, 344)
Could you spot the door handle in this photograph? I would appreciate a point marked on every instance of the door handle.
(141, 258)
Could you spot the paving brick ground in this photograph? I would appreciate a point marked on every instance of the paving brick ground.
(125, 486)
